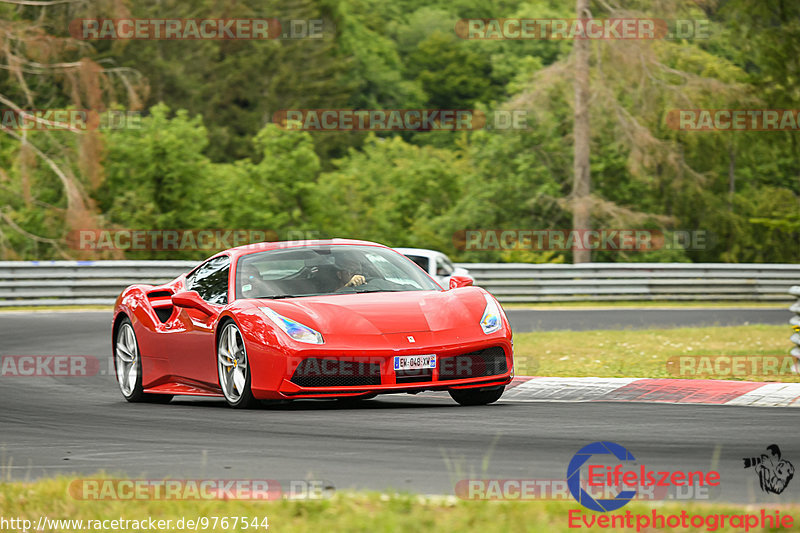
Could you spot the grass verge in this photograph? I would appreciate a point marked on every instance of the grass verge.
(645, 353)
(351, 512)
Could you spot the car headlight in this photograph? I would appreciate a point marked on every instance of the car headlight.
(491, 320)
(294, 329)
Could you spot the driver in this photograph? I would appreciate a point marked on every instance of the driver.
(350, 272)
(251, 281)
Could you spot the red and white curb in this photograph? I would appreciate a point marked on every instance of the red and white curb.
(675, 391)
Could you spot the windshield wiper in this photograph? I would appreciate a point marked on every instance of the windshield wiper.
(281, 296)
(379, 290)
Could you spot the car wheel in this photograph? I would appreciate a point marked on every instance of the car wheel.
(476, 396)
(234, 368)
(128, 366)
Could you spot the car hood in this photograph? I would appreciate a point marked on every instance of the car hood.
(385, 312)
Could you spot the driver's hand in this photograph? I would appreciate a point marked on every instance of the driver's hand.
(355, 281)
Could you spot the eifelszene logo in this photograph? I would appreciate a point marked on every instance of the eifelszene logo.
(626, 478)
(574, 476)
(774, 473)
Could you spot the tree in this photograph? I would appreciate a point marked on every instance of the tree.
(51, 165)
(390, 191)
(643, 173)
(273, 194)
(582, 175)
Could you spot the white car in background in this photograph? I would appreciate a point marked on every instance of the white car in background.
(434, 263)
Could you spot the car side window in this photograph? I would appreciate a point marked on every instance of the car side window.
(420, 260)
(210, 280)
(443, 267)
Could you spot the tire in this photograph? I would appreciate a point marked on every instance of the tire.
(233, 367)
(476, 396)
(128, 366)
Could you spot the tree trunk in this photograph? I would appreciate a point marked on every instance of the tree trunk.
(731, 175)
(581, 186)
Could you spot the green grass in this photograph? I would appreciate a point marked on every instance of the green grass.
(350, 512)
(643, 353)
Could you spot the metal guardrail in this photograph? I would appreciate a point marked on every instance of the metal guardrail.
(636, 281)
(26, 283)
(795, 321)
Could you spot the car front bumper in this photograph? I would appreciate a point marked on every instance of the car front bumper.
(325, 372)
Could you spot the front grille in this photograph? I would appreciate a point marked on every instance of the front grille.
(488, 362)
(414, 376)
(321, 372)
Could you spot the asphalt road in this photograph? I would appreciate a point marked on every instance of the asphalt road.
(420, 443)
(423, 444)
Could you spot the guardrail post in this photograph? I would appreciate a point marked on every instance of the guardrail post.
(795, 322)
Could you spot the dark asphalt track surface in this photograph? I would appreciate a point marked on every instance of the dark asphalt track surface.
(419, 443)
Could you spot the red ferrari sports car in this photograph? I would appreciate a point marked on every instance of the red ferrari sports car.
(316, 319)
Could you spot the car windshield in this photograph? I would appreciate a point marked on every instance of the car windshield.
(320, 270)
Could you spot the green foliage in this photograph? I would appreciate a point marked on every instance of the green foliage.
(207, 155)
(452, 75)
(390, 191)
(157, 177)
(377, 71)
(272, 194)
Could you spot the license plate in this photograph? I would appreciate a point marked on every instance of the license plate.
(414, 362)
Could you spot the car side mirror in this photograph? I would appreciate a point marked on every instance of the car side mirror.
(460, 281)
(192, 300)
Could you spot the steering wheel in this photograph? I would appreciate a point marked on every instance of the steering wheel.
(354, 288)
